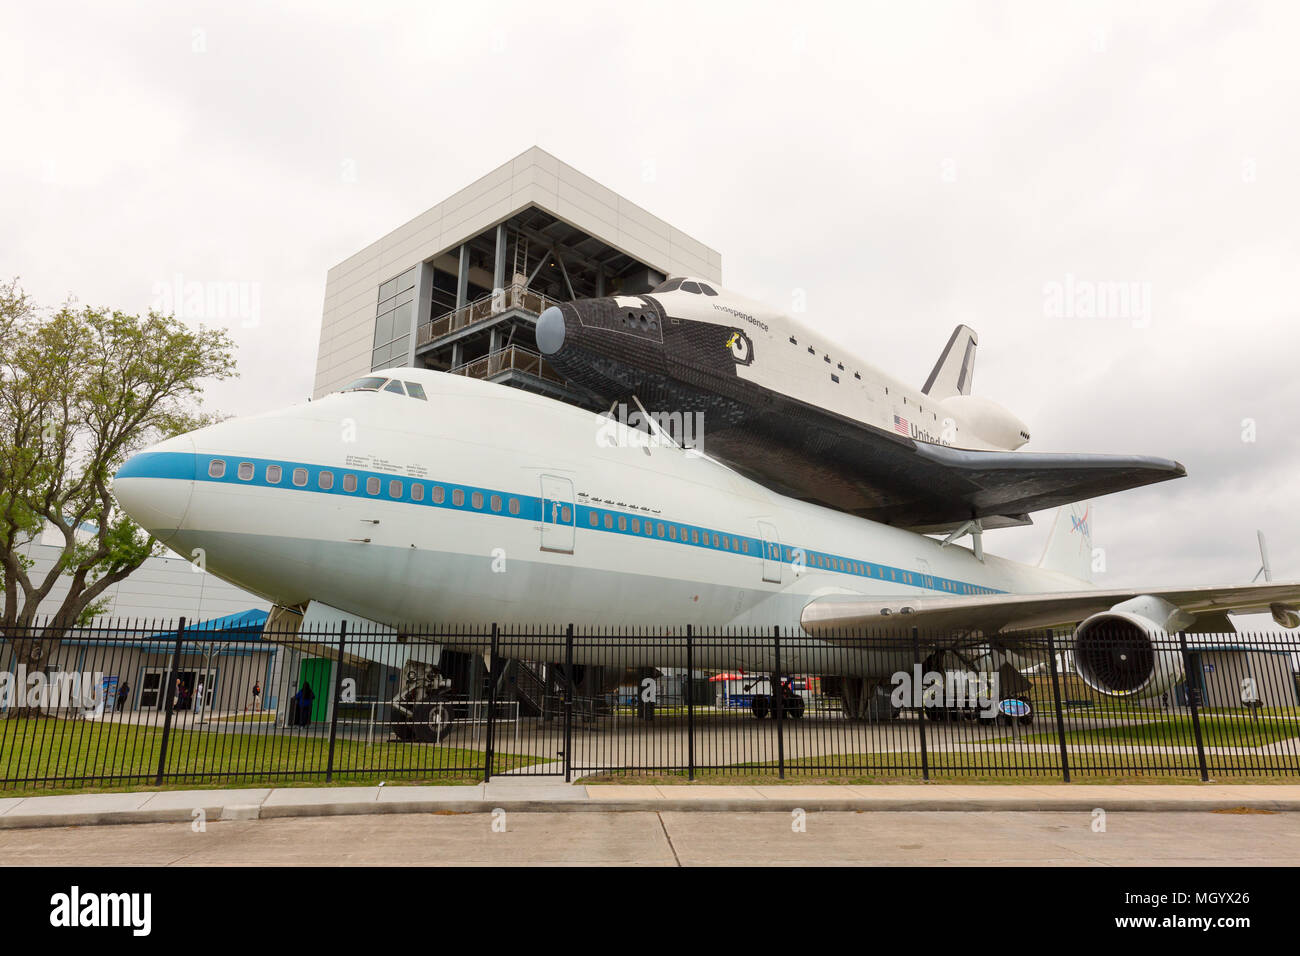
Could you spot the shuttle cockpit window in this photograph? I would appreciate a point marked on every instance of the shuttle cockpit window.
(672, 285)
(693, 287)
(708, 289)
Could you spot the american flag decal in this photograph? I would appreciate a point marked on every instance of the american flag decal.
(902, 427)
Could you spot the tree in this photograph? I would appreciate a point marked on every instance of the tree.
(81, 390)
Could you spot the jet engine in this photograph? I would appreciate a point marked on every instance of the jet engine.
(1131, 650)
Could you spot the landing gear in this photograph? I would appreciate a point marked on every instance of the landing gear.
(422, 710)
(861, 699)
(432, 722)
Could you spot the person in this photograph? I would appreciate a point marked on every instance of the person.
(198, 698)
(185, 697)
(307, 698)
(176, 695)
(257, 693)
(123, 696)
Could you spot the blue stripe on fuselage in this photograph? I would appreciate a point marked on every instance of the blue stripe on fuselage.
(188, 467)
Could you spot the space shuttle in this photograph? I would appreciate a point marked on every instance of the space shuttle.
(805, 417)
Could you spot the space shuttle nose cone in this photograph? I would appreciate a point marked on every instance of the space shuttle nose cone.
(550, 331)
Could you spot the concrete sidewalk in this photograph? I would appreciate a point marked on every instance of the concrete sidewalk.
(175, 806)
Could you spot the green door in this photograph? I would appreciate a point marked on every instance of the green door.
(316, 672)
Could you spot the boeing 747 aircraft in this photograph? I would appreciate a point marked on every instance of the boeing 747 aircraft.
(415, 496)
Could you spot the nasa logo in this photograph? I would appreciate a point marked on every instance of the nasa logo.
(740, 347)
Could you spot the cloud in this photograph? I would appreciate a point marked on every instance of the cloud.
(908, 168)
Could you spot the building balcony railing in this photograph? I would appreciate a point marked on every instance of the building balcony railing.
(480, 310)
(510, 359)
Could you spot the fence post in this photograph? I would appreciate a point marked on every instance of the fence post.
(690, 702)
(1192, 694)
(489, 751)
(334, 700)
(169, 702)
(778, 702)
(918, 695)
(1060, 712)
(568, 702)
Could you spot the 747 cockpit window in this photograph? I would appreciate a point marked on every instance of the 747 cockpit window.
(371, 383)
(378, 383)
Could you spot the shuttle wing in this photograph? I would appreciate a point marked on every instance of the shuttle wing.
(965, 484)
(836, 615)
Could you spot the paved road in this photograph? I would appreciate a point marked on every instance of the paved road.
(671, 838)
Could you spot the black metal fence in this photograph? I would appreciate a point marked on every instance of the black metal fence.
(146, 704)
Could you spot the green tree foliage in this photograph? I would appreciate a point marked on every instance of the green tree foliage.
(82, 389)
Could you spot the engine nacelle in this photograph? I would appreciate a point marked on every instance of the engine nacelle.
(1129, 651)
(989, 420)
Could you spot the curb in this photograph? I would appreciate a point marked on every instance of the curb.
(245, 812)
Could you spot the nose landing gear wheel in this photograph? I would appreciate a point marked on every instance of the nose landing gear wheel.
(432, 722)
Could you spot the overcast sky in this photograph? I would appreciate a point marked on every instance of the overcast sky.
(905, 166)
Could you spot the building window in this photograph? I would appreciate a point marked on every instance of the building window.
(326, 480)
(393, 317)
(217, 468)
(300, 477)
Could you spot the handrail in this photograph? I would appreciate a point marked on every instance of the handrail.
(514, 296)
(513, 358)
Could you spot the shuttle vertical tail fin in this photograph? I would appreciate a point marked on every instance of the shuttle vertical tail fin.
(953, 373)
(1069, 546)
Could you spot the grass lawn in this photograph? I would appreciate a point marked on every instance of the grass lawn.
(1217, 730)
(48, 754)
